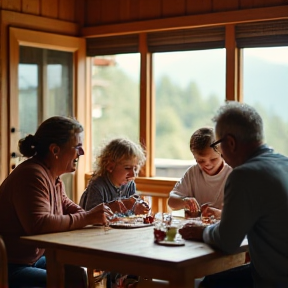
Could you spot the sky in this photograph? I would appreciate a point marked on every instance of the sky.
(274, 55)
(265, 73)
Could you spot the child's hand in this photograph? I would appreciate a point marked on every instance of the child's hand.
(117, 206)
(141, 207)
(129, 202)
(191, 204)
(136, 204)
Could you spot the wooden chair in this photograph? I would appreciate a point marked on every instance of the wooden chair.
(3, 265)
(96, 278)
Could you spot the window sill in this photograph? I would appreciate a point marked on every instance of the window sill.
(159, 186)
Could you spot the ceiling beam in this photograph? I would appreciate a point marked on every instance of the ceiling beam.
(188, 22)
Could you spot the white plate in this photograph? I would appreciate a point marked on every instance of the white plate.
(129, 225)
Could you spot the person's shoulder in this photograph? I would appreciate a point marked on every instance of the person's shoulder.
(193, 169)
(98, 182)
(30, 167)
(249, 170)
(227, 167)
(268, 158)
(29, 172)
(97, 179)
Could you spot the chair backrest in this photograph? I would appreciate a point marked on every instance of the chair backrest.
(3, 265)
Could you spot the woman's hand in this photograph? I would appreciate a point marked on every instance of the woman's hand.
(100, 214)
(208, 211)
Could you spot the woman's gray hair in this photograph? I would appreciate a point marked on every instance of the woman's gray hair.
(240, 120)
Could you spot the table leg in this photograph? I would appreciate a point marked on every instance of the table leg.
(55, 270)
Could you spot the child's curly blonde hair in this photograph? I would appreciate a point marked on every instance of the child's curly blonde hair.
(117, 150)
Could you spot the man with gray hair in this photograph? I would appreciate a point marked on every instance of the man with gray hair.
(255, 203)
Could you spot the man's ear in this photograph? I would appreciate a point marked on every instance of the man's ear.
(231, 141)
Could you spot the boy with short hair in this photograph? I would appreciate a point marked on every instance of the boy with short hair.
(203, 182)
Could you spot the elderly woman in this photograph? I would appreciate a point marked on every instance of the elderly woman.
(33, 201)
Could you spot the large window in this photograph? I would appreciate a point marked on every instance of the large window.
(266, 88)
(115, 98)
(189, 87)
(184, 81)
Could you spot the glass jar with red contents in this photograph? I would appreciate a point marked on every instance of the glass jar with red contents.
(159, 233)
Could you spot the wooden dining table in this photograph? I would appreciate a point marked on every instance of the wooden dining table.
(132, 251)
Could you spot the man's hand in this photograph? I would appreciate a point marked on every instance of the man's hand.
(192, 231)
(208, 211)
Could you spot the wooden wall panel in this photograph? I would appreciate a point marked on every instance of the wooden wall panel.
(198, 7)
(49, 8)
(80, 12)
(263, 3)
(93, 12)
(110, 11)
(128, 9)
(31, 7)
(150, 9)
(247, 4)
(225, 5)
(14, 5)
(99, 12)
(133, 10)
(173, 8)
(56, 9)
(67, 10)
(124, 10)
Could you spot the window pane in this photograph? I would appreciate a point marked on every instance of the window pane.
(45, 82)
(190, 86)
(266, 88)
(28, 98)
(59, 83)
(115, 98)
